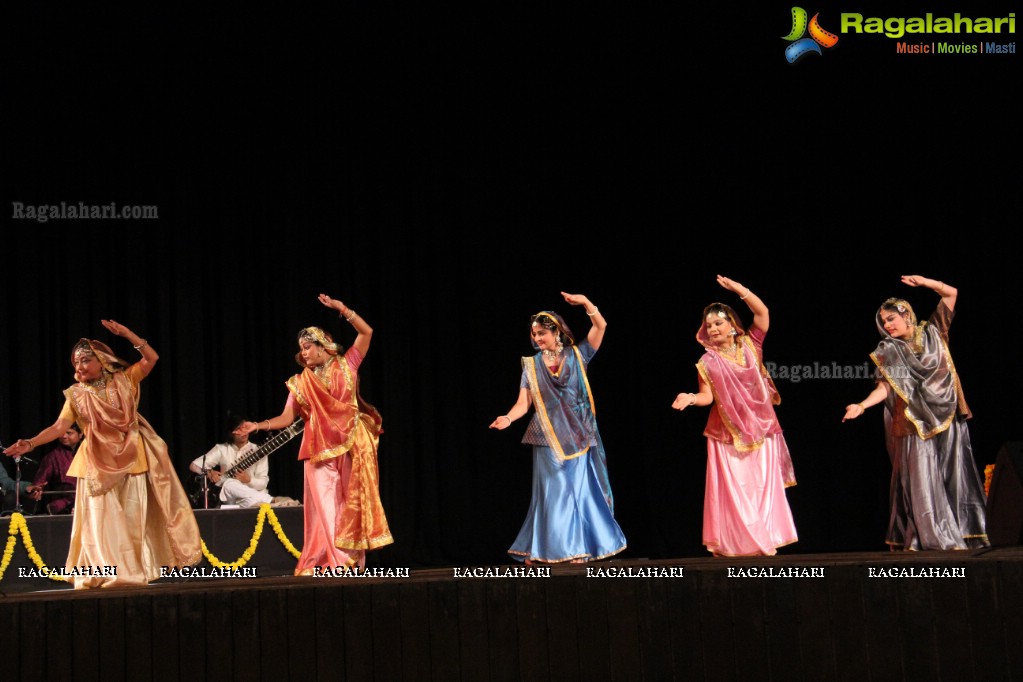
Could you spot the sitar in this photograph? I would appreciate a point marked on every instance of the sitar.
(271, 445)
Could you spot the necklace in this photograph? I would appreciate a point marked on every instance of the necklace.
(103, 390)
(322, 371)
(730, 352)
(552, 358)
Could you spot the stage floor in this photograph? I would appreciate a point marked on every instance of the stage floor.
(846, 616)
(838, 616)
(800, 570)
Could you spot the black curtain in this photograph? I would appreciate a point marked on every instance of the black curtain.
(447, 175)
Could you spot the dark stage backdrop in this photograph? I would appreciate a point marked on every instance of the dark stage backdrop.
(446, 175)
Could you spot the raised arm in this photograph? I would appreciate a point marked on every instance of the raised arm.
(149, 356)
(363, 330)
(947, 292)
(597, 322)
(761, 319)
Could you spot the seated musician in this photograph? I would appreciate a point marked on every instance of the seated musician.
(9, 500)
(51, 480)
(245, 488)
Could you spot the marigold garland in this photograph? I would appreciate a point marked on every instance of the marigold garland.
(276, 525)
(264, 512)
(18, 524)
(989, 473)
(8, 553)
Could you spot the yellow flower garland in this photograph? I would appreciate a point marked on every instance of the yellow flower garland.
(989, 474)
(264, 512)
(19, 525)
(276, 525)
(8, 553)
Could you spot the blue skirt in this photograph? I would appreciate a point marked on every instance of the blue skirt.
(569, 517)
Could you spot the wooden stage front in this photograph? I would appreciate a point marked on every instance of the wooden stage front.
(857, 616)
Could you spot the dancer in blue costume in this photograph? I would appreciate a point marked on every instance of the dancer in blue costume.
(571, 515)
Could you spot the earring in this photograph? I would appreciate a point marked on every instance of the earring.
(732, 333)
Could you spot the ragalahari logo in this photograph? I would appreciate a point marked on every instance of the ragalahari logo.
(802, 46)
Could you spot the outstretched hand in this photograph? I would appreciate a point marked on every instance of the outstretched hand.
(332, 303)
(245, 428)
(18, 449)
(501, 423)
(730, 284)
(115, 328)
(683, 401)
(913, 280)
(574, 299)
(853, 411)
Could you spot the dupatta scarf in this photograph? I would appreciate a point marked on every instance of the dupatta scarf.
(744, 393)
(566, 413)
(333, 410)
(921, 372)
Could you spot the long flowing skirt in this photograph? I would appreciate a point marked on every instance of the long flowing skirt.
(120, 536)
(937, 498)
(745, 511)
(343, 514)
(569, 517)
(325, 491)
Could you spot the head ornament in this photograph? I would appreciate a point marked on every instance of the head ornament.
(553, 322)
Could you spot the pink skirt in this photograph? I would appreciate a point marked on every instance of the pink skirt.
(745, 512)
(326, 484)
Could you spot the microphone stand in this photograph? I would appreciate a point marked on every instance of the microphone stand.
(17, 480)
(17, 483)
(205, 484)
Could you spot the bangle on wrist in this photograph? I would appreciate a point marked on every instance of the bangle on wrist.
(31, 445)
(743, 297)
(863, 408)
(267, 424)
(507, 417)
(595, 311)
(350, 316)
(142, 344)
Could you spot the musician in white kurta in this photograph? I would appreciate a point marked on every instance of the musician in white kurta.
(247, 488)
